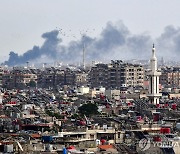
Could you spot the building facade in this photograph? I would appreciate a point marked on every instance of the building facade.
(18, 78)
(115, 74)
(170, 77)
(1, 75)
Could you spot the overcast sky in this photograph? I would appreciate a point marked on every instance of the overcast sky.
(22, 22)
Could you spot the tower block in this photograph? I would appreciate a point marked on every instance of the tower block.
(154, 74)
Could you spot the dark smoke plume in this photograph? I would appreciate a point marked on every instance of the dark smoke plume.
(114, 42)
(49, 49)
(169, 43)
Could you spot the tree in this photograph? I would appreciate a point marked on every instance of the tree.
(52, 114)
(88, 109)
(32, 84)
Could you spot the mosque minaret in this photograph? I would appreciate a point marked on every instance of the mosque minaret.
(154, 74)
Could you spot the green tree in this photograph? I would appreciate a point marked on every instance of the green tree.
(88, 109)
(32, 84)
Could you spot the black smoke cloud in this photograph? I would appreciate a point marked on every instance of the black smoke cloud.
(169, 43)
(49, 49)
(115, 42)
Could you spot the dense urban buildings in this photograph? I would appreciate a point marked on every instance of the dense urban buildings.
(107, 108)
(110, 76)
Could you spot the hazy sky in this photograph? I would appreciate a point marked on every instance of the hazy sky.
(22, 22)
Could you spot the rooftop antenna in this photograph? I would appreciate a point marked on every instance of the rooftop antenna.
(84, 56)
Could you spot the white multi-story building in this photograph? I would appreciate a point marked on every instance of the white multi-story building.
(154, 74)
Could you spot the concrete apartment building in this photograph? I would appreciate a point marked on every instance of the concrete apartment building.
(81, 78)
(30, 77)
(46, 78)
(1, 75)
(18, 78)
(51, 77)
(69, 77)
(13, 79)
(99, 75)
(115, 74)
(170, 77)
(134, 75)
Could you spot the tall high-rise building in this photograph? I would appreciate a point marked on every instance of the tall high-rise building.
(154, 74)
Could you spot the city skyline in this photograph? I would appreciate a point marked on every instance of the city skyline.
(99, 76)
(144, 23)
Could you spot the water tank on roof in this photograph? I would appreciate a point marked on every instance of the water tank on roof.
(178, 126)
(174, 106)
(64, 151)
(165, 130)
(8, 148)
(156, 116)
(123, 85)
(98, 142)
(48, 147)
(103, 141)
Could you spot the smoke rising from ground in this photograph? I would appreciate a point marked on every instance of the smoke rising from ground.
(169, 43)
(48, 49)
(115, 42)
